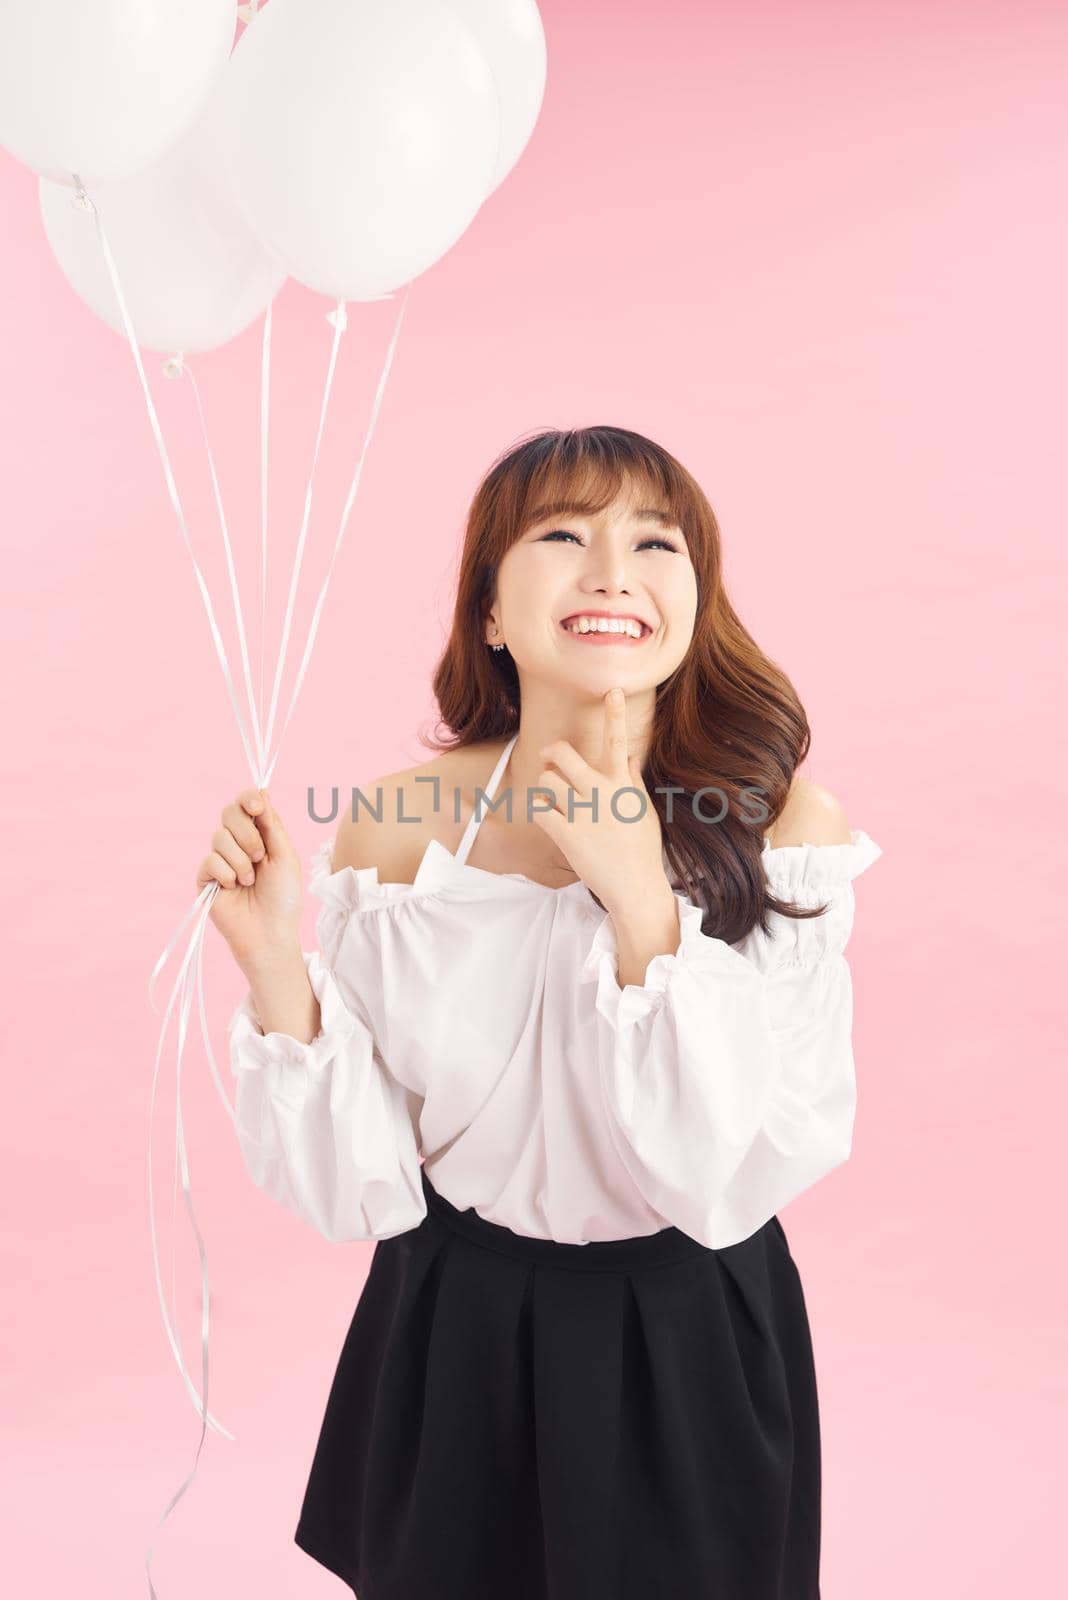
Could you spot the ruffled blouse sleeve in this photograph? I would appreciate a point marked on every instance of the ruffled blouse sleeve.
(323, 1127)
(728, 1074)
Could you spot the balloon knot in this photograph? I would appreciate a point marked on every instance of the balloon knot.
(80, 197)
(338, 318)
(174, 366)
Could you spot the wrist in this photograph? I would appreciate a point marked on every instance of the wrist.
(645, 927)
(638, 901)
(271, 960)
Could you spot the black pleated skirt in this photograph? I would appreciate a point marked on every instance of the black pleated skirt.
(517, 1419)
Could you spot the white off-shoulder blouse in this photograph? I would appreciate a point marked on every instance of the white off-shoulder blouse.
(474, 1019)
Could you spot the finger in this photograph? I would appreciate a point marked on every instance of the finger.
(270, 826)
(566, 759)
(614, 747)
(549, 791)
(214, 869)
(634, 766)
(251, 800)
(242, 826)
(231, 852)
(553, 825)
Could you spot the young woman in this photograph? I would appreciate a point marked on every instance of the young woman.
(564, 1057)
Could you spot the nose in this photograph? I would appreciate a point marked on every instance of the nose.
(606, 572)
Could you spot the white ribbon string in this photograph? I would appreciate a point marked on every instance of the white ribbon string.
(265, 394)
(205, 894)
(314, 628)
(181, 997)
(87, 204)
(211, 888)
(340, 323)
(239, 618)
(205, 1291)
(256, 749)
(205, 1034)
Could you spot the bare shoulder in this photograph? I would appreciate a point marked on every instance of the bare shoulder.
(402, 811)
(811, 815)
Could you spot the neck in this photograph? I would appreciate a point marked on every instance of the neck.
(545, 718)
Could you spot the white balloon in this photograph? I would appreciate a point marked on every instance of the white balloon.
(513, 40)
(363, 137)
(192, 271)
(103, 88)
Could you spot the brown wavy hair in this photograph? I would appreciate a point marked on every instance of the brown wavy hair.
(727, 718)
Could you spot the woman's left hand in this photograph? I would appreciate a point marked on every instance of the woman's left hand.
(618, 857)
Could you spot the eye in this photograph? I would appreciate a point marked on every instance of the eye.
(565, 533)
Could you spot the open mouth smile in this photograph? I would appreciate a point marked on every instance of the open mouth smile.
(591, 628)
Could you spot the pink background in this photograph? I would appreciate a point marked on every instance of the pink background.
(819, 251)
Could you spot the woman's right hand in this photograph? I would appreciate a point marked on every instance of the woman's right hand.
(258, 905)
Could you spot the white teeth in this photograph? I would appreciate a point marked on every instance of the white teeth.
(606, 625)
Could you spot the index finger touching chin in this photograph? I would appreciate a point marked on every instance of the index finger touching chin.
(615, 732)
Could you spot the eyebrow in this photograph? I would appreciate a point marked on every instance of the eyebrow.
(568, 508)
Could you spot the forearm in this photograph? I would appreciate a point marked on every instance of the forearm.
(283, 996)
(645, 927)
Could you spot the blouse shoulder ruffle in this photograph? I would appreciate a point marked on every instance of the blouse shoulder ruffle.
(347, 891)
(806, 875)
(809, 875)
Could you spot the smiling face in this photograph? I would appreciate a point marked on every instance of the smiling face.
(626, 570)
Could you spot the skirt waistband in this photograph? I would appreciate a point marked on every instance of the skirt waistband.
(599, 1255)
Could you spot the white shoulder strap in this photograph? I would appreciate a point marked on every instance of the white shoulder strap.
(478, 813)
